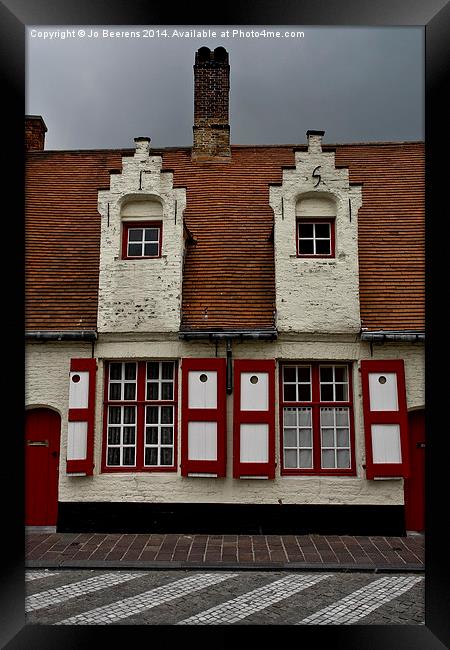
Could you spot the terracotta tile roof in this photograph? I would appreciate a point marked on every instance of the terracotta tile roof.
(391, 232)
(62, 237)
(229, 272)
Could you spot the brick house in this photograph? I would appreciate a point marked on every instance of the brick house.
(225, 337)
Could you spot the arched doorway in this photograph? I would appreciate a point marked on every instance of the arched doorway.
(415, 485)
(42, 440)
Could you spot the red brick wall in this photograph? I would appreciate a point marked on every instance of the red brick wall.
(211, 104)
(34, 133)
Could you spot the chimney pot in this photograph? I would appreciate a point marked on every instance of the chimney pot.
(315, 141)
(142, 145)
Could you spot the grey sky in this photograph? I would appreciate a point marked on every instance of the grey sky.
(356, 84)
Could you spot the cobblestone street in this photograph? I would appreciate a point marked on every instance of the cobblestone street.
(94, 550)
(188, 597)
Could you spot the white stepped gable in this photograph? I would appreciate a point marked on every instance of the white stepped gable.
(316, 294)
(141, 295)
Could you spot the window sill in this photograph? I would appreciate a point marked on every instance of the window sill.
(348, 474)
(321, 258)
(137, 259)
(133, 470)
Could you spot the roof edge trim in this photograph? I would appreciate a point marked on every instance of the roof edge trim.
(269, 335)
(62, 335)
(405, 335)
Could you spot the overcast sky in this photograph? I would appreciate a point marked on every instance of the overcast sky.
(356, 84)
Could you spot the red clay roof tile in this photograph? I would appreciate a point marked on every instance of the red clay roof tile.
(229, 271)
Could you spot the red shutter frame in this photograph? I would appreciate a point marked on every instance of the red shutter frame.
(400, 417)
(85, 466)
(217, 415)
(253, 417)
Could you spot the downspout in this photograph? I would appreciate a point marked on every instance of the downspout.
(229, 368)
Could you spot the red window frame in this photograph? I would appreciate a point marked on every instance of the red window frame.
(140, 402)
(316, 404)
(128, 225)
(314, 221)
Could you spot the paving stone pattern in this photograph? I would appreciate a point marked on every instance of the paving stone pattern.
(254, 601)
(37, 575)
(65, 592)
(360, 603)
(124, 608)
(129, 550)
(173, 597)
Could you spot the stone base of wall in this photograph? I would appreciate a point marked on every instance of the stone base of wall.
(230, 519)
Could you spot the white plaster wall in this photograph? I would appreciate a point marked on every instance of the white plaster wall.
(140, 295)
(314, 294)
(47, 384)
(47, 368)
(414, 358)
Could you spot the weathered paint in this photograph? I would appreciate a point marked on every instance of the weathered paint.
(316, 295)
(47, 384)
(47, 371)
(140, 295)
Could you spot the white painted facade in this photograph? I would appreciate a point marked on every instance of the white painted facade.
(318, 319)
(47, 385)
(141, 295)
(316, 294)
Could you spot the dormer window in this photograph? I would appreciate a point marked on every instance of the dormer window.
(315, 226)
(141, 239)
(141, 228)
(315, 238)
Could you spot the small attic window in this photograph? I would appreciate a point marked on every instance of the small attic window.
(141, 229)
(141, 239)
(315, 238)
(315, 227)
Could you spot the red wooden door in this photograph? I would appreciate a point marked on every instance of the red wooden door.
(42, 437)
(415, 485)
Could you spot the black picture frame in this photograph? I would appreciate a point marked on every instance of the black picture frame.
(434, 17)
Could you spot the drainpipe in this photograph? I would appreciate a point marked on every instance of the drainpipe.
(229, 368)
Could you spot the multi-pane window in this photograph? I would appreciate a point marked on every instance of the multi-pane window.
(297, 436)
(121, 435)
(315, 238)
(122, 381)
(141, 239)
(159, 418)
(316, 419)
(335, 437)
(140, 415)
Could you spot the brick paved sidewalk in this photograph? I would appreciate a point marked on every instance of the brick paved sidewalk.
(82, 550)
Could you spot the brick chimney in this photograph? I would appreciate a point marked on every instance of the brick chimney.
(34, 133)
(211, 101)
